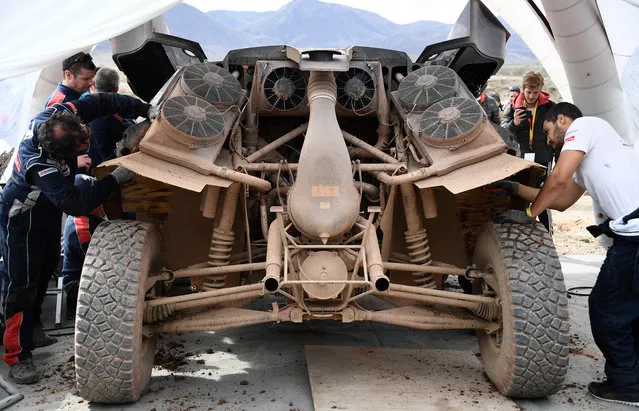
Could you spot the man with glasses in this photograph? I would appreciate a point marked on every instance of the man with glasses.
(41, 187)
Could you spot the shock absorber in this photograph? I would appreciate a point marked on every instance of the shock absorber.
(223, 238)
(416, 237)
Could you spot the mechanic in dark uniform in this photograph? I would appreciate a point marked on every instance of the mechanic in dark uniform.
(79, 76)
(105, 133)
(40, 188)
(78, 231)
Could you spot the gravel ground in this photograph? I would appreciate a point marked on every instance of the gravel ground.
(570, 235)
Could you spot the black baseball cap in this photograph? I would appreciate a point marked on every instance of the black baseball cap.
(514, 88)
(85, 59)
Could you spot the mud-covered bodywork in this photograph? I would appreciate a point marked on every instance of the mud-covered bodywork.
(324, 177)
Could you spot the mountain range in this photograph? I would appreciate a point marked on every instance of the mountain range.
(312, 23)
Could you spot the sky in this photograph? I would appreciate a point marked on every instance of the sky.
(398, 11)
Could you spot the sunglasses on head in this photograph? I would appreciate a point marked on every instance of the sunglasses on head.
(79, 58)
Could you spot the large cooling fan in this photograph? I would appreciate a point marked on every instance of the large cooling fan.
(355, 89)
(451, 121)
(426, 86)
(212, 83)
(285, 88)
(192, 121)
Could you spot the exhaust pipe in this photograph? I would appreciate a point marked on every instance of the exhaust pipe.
(374, 259)
(274, 257)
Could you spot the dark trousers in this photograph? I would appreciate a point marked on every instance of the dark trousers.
(614, 315)
(31, 250)
(77, 236)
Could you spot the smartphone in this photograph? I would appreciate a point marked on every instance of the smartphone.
(529, 113)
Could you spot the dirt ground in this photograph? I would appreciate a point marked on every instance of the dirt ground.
(570, 235)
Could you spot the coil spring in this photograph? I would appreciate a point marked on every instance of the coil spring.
(419, 252)
(219, 255)
(158, 313)
(487, 311)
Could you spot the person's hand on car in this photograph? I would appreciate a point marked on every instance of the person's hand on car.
(515, 216)
(503, 188)
(84, 161)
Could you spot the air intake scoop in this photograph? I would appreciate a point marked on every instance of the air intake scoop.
(323, 203)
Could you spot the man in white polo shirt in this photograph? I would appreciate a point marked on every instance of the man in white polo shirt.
(595, 158)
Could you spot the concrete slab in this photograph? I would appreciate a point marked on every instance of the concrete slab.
(378, 379)
(264, 367)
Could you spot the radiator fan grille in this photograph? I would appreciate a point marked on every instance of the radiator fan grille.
(195, 122)
(450, 120)
(355, 89)
(428, 85)
(212, 83)
(285, 88)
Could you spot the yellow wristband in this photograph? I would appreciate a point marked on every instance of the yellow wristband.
(528, 212)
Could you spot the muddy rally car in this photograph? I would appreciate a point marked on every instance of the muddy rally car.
(318, 179)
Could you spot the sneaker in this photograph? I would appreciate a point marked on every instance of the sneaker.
(40, 339)
(24, 372)
(604, 391)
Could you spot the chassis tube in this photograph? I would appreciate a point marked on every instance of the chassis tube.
(365, 167)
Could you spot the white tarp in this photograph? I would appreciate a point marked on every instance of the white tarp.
(15, 99)
(38, 33)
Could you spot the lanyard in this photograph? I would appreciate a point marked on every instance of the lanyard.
(532, 125)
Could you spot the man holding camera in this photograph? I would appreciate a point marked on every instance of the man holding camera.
(525, 119)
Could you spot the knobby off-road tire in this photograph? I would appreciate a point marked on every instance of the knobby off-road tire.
(528, 358)
(113, 360)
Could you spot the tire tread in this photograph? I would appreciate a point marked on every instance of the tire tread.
(105, 339)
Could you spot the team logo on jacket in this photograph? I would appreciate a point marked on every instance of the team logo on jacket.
(569, 139)
(47, 171)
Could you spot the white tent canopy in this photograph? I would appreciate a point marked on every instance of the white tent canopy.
(46, 32)
(590, 56)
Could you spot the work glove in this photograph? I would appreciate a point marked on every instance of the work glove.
(503, 188)
(153, 112)
(122, 175)
(514, 216)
